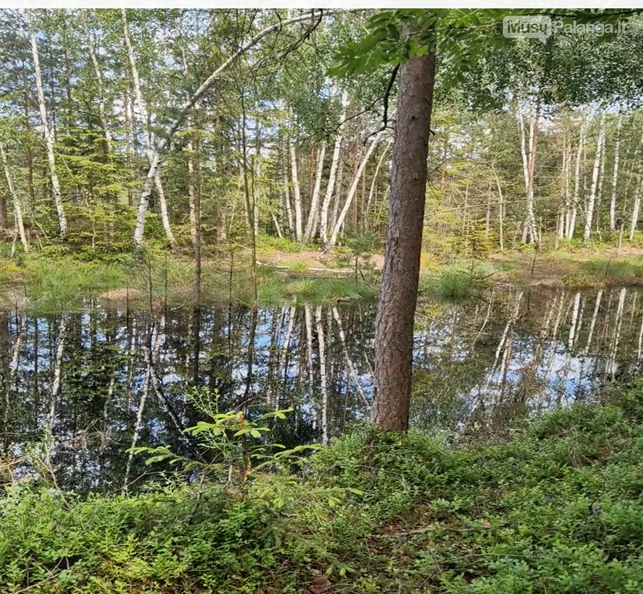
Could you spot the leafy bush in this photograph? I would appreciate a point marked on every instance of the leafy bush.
(556, 509)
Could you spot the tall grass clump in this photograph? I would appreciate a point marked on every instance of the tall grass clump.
(66, 282)
(451, 286)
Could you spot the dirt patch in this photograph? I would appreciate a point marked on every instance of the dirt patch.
(312, 260)
(548, 283)
(122, 295)
(626, 251)
(13, 300)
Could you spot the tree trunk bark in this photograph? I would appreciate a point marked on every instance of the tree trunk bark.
(593, 190)
(501, 237)
(572, 219)
(323, 231)
(398, 291)
(47, 132)
(617, 146)
(561, 230)
(17, 209)
(351, 193)
(635, 210)
(313, 215)
(299, 233)
(528, 152)
(286, 191)
(151, 154)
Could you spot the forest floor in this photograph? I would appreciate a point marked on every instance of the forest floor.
(64, 281)
(553, 507)
(579, 268)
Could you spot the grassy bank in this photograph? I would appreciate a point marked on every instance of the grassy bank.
(48, 282)
(56, 280)
(557, 508)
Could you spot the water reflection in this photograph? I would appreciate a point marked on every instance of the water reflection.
(107, 379)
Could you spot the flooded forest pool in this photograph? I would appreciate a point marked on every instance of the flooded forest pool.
(105, 380)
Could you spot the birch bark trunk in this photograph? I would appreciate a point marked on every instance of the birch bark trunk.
(579, 154)
(323, 231)
(617, 147)
(593, 190)
(17, 209)
(299, 233)
(351, 192)
(313, 215)
(48, 133)
(635, 210)
(142, 117)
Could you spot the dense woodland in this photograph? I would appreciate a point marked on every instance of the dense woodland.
(171, 427)
(531, 142)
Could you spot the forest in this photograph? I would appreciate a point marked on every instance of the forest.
(331, 300)
(531, 143)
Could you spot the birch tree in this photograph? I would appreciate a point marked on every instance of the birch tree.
(313, 215)
(323, 231)
(299, 233)
(17, 208)
(187, 106)
(595, 179)
(47, 130)
(147, 137)
(352, 191)
(102, 113)
(528, 152)
(576, 197)
(617, 147)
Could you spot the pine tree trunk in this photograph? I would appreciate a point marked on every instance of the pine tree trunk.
(398, 290)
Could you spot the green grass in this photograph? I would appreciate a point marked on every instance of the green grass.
(64, 283)
(555, 509)
(270, 244)
(452, 285)
(55, 282)
(54, 279)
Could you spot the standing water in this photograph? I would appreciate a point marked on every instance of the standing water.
(107, 379)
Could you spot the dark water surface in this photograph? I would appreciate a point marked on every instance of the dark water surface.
(107, 379)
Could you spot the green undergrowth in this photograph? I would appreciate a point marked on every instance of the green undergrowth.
(457, 282)
(59, 281)
(555, 508)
